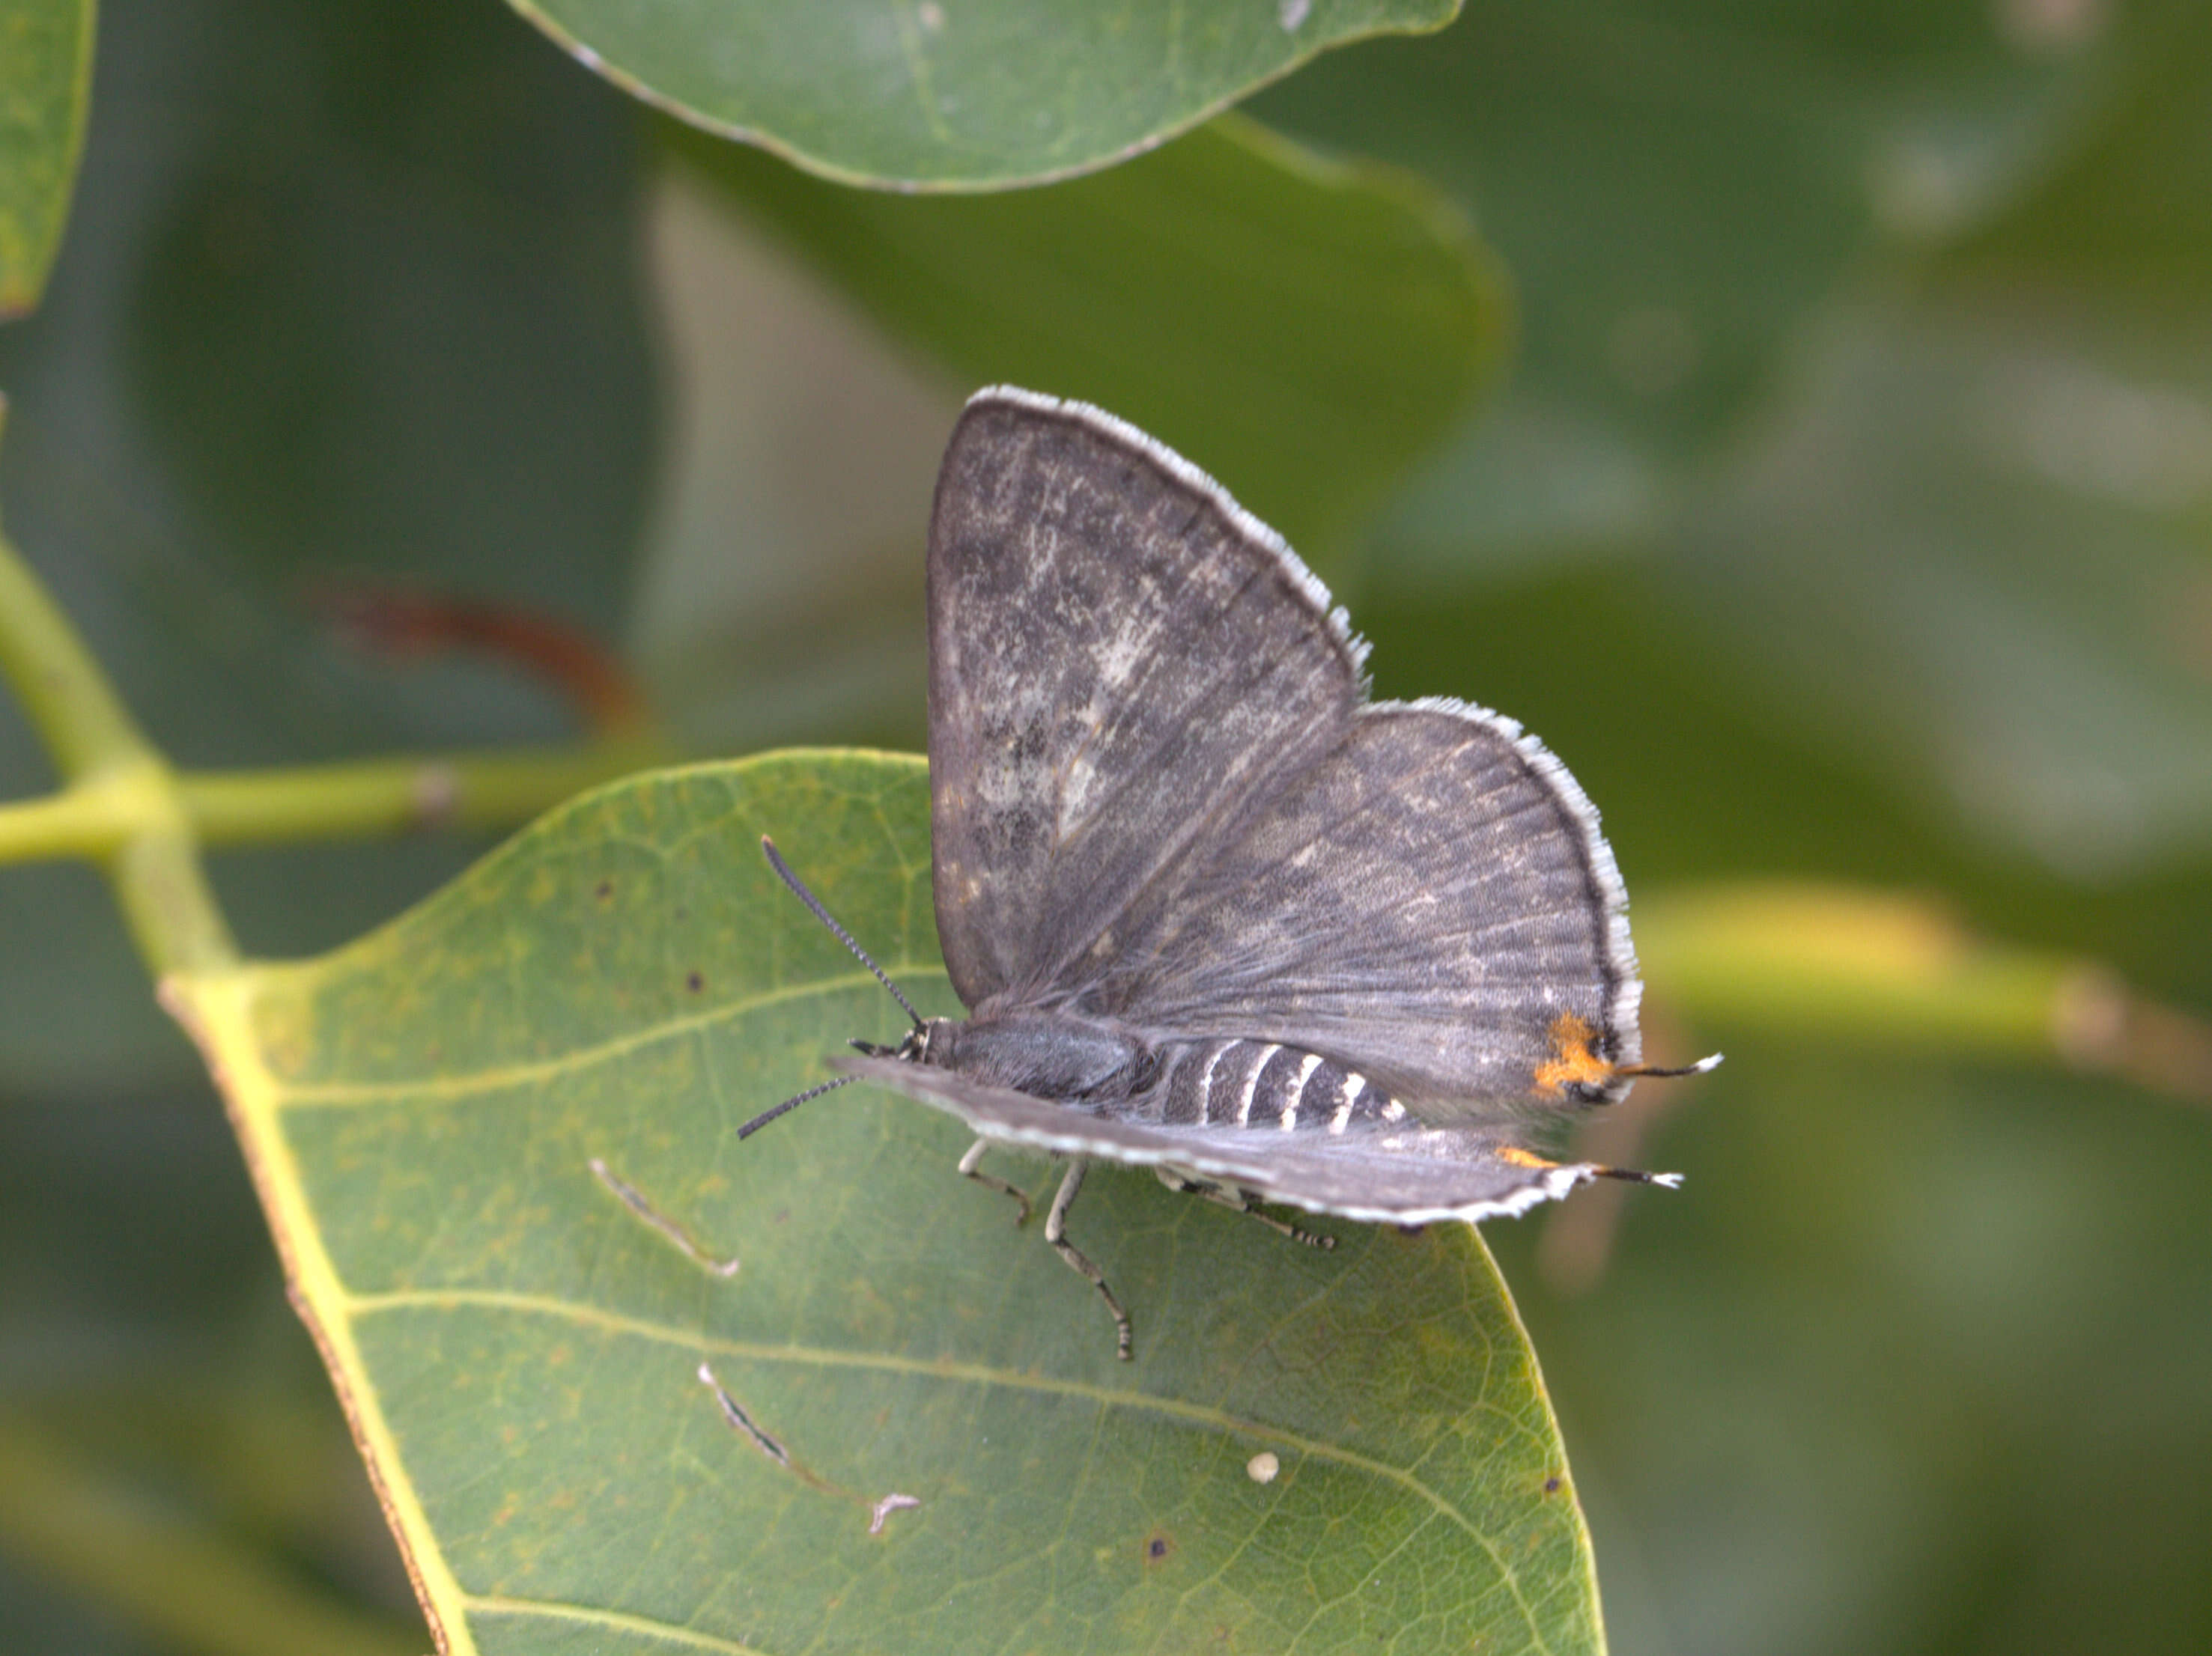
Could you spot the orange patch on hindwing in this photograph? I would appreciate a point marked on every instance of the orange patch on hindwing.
(1575, 1060)
(1521, 1158)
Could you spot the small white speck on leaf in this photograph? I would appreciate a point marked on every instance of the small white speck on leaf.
(1262, 1467)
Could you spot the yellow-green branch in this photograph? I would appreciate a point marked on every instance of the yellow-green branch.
(471, 790)
(114, 774)
(123, 806)
(1890, 972)
(82, 722)
(286, 806)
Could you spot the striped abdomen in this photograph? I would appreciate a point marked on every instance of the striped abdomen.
(1259, 1084)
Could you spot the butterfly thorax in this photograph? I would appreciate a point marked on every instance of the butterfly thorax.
(1045, 1054)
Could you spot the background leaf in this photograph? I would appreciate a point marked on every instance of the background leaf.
(45, 72)
(1677, 186)
(1997, 563)
(1314, 328)
(974, 95)
(1892, 365)
(628, 981)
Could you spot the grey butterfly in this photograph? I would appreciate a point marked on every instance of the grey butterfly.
(1211, 910)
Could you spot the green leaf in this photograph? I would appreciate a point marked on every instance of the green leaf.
(46, 81)
(627, 981)
(1310, 328)
(1677, 186)
(410, 336)
(961, 94)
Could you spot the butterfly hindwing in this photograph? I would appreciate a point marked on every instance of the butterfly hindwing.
(1428, 902)
(1404, 1175)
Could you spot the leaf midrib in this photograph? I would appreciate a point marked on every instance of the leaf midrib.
(341, 1095)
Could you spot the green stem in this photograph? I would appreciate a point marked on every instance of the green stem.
(113, 775)
(1891, 971)
(392, 795)
(122, 805)
(285, 806)
(82, 720)
(78, 824)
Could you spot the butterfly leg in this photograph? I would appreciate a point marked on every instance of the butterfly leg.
(971, 1164)
(1056, 1232)
(1244, 1202)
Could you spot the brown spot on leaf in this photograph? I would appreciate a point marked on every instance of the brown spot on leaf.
(1158, 1547)
(1552, 1484)
(605, 890)
(693, 982)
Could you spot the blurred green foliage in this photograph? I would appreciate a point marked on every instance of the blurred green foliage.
(1842, 513)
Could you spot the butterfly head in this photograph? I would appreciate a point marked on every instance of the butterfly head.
(916, 1046)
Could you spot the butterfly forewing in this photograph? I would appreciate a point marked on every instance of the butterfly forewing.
(1120, 658)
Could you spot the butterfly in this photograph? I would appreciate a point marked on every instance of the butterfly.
(1211, 910)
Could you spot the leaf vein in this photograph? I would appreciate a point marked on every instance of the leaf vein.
(339, 1095)
(366, 1305)
(554, 1610)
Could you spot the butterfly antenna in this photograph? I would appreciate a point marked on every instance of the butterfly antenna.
(791, 1104)
(799, 889)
